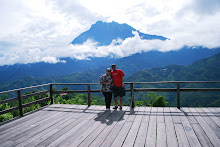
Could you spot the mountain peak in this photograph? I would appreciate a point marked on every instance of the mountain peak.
(104, 33)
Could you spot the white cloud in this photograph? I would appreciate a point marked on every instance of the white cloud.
(53, 60)
(40, 30)
(127, 47)
(119, 48)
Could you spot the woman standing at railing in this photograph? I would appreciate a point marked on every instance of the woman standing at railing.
(107, 85)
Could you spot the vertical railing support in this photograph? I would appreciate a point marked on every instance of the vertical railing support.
(89, 96)
(132, 96)
(178, 95)
(51, 94)
(20, 103)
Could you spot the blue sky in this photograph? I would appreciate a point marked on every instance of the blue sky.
(41, 30)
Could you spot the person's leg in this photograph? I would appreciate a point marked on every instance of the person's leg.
(115, 97)
(108, 100)
(121, 101)
(122, 93)
(105, 95)
(116, 102)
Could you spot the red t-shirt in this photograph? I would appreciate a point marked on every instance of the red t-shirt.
(117, 77)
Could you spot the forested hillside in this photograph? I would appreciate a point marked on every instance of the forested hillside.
(203, 70)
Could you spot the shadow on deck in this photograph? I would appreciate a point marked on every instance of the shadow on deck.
(80, 125)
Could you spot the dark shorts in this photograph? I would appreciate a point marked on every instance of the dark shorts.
(119, 91)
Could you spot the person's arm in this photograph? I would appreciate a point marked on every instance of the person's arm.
(122, 79)
(101, 80)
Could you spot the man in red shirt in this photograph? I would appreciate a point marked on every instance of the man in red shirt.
(119, 87)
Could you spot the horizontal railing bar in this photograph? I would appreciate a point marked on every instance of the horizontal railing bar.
(96, 90)
(34, 94)
(34, 86)
(75, 91)
(155, 89)
(199, 89)
(174, 89)
(145, 89)
(9, 100)
(157, 82)
(76, 83)
(128, 89)
(37, 101)
(69, 91)
(165, 82)
(198, 82)
(3, 92)
(8, 110)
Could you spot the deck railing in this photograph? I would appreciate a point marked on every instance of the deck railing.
(132, 89)
(20, 97)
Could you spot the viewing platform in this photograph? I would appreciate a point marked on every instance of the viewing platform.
(80, 125)
(91, 125)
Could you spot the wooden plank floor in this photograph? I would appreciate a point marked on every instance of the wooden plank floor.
(78, 125)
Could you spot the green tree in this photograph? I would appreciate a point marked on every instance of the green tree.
(151, 97)
(4, 97)
(5, 117)
(160, 102)
(59, 100)
(65, 88)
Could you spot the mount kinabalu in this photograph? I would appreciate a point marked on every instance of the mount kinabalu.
(104, 33)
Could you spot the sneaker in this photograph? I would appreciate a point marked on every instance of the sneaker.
(120, 107)
(115, 107)
(107, 109)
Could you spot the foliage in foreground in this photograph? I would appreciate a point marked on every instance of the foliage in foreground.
(154, 100)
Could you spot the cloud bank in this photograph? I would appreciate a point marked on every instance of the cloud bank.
(122, 48)
(41, 30)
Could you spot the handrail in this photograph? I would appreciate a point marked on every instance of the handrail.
(14, 90)
(20, 97)
(157, 82)
(165, 82)
(132, 89)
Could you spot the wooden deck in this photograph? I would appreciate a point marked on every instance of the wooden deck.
(78, 125)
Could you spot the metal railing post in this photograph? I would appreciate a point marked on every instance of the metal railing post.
(132, 95)
(51, 94)
(20, 103)
(89, 96)
(178, 94)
